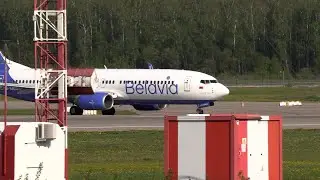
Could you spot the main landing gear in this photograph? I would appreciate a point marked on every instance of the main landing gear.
(75, 110)
(199, 111)
(110, 111)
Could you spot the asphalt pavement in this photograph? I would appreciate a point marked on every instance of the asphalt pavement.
(305, 116)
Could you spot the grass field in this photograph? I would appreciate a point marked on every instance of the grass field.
(269, 94)
(32, 111)
(139, 155)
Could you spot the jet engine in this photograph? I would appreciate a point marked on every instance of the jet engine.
(149, 107)
(97, 101)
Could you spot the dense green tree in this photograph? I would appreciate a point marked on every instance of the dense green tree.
(259, 38)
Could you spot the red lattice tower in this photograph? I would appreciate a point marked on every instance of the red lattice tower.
(50, 40)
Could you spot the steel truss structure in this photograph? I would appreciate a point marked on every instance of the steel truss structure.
(50, 51)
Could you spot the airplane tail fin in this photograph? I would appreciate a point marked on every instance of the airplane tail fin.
(2, 62)
(4, 68)
(11, 64)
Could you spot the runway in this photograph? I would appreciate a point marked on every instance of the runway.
(305, 116)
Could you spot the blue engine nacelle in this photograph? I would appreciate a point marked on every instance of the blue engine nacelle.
(97, 101)
(148, 107)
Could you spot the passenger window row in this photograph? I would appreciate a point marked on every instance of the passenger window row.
(27, 81)
(108, 82)
(208, 81)
(139, 82)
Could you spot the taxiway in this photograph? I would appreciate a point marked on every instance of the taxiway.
(305, 116)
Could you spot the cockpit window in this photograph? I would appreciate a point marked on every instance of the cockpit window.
(208, 81)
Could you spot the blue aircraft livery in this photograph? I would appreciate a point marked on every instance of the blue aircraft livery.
(4, 68)
(151, 88)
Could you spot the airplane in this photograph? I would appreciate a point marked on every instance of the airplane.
(144, 89)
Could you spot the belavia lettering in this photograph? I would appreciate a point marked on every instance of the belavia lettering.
(151, 88)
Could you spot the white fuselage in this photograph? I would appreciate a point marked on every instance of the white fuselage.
(159, 84)
(152, 85)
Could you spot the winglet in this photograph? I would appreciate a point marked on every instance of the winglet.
(150, 65)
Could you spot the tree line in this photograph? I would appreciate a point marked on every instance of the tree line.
(221, 37)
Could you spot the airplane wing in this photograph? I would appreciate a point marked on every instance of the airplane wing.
(113, 93)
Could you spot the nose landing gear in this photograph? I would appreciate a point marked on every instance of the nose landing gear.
(203, 105)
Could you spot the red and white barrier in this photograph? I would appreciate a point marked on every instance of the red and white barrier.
(223, 147)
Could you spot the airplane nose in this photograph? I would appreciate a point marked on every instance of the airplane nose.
(225, 91)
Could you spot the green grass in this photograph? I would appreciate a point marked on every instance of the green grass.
(32, 111)
(18, 112)
(9, 98)
(139, 155)
(107, 155)
(301, 154)
(273, 94)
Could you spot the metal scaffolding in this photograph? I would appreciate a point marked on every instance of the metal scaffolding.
(50, 41)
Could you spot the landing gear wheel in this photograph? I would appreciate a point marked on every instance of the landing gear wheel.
(111, 111)
(200, 111)
(75, 110)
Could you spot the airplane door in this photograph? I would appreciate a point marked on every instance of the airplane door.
(187, 83)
